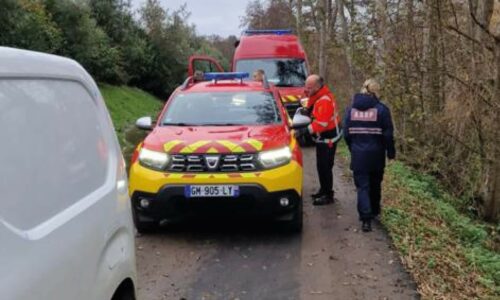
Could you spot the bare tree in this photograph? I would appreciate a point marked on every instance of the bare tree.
(347, 44)
(324, 17)
(481, 13)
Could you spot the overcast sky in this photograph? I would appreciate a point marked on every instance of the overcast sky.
(221, 17)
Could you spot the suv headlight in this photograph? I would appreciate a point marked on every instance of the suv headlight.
(152, 159)
(275, 158)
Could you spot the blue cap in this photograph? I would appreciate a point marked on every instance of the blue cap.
(268, 31)
(226, 76)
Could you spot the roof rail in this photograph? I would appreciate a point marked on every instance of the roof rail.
(215, 76)
(267, 31)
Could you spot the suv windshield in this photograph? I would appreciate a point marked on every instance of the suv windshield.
(222, 109)
(281, 72)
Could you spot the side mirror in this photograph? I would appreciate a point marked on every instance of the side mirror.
(304, 102)
(144, 123)
(300, 119)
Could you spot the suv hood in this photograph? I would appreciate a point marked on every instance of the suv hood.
(291, 94)
(217, 139)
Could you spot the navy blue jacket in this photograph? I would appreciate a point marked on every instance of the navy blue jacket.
(369, 133)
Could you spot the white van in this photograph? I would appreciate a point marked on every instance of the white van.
(66, 229)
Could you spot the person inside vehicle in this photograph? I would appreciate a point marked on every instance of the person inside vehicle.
(198, 76)
(258, 75)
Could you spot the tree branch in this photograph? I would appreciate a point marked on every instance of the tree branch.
(333, 19)
(465, 35)
(481, 25)
(466, 146)
(313, 14)
(469, 86)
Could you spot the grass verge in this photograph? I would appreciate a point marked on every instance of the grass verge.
(450, 255)
(126, 105)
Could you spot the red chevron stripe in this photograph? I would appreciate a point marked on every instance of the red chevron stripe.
(204, 149)
(178, 148)
(248, 147)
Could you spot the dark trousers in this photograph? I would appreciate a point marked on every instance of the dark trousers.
(325, 157)
(369, 187)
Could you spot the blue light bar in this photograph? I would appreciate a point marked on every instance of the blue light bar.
(268, 31)
(226, 76)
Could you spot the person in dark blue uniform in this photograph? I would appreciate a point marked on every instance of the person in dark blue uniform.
(369, 133)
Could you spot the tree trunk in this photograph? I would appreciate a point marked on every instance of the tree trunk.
(431, 82)
(322, 59)
(492, 195)
(298, 19)
(381, 25)
(347, 43)
(492, 203)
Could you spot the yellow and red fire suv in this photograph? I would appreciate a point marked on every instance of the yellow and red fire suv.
(220, 147)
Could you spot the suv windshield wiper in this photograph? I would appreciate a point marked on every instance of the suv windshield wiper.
(179, 124)
(286, 85)
(221, 124)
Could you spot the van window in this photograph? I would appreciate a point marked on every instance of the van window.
(53, 150)
(285, 72)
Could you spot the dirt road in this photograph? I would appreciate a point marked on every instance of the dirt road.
(331, 259)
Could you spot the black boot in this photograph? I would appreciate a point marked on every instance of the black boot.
(366, 226)
(323, 200)
(317, 194)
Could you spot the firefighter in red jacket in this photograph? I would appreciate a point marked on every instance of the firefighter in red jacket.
(326, 131)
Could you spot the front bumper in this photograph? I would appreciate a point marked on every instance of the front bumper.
(170, 204)
(260, 193)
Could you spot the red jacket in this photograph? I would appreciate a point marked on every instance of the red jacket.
(324, 111)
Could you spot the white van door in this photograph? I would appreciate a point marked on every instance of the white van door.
(64, 223)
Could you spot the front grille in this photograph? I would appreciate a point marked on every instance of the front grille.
(213, 163)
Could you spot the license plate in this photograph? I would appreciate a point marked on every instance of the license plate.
(192, 191)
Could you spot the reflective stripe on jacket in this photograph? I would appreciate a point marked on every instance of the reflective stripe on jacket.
(324, 111)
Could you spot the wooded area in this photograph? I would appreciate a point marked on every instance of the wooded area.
(439, 65)
(148, 48)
